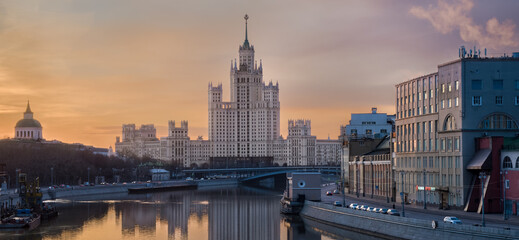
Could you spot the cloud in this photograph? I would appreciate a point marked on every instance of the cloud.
(448, 16)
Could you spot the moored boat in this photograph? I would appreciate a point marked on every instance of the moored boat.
(22, 219)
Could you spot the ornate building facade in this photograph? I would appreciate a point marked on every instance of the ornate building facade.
(439, 116)
(246, 129)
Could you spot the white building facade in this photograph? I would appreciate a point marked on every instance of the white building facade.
(28, 127)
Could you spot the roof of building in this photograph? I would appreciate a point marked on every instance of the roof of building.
(28, 123)
(158, 171)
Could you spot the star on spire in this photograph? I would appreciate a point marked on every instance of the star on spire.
(246, 42)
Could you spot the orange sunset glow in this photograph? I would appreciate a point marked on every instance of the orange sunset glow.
(87, 67)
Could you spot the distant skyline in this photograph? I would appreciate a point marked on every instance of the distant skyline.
(88, 67)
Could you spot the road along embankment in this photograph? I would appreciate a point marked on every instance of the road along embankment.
(393, 227)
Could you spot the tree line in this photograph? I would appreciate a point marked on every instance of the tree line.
(68, 164)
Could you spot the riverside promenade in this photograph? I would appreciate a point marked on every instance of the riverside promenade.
(11, 197)
(417, 212)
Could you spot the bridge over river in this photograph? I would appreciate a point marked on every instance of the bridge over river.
(270, 177)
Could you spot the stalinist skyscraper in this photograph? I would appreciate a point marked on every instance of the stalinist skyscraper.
(243, 132)
(246, 127)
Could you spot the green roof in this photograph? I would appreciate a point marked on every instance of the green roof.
(28, 123)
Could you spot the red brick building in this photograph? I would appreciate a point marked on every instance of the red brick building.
(496, 164)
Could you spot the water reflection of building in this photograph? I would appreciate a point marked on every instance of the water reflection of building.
(175, 208)
(246, 217)
(176, 212)
(136, 214)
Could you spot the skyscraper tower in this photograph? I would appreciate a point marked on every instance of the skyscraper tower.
(247, 125)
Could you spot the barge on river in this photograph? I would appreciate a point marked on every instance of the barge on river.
(163, 187)
(23, 218)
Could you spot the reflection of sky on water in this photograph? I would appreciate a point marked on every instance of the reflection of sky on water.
(229, 214)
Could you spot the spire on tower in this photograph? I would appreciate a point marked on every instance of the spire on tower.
(246, 42)
(28, 110)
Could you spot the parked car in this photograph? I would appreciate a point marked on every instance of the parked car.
(452, 220)
(364, 207)
(337, 203)
(189, 179)
(329, 193)
(370, 209)
(336, 191)
(353, 206)
(382, 210)
(393, 212)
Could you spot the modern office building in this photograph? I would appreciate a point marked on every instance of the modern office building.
(438, 118)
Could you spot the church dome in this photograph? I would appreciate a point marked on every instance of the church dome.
(28, 123)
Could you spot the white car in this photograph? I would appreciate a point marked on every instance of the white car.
(453, 220)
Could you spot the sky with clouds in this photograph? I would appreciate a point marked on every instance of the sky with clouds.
(90, 66)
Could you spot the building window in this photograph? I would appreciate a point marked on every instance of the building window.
(442, 147)
(498, 84)
(477, 85)
(498, 121)
(449, 123)
(499, 100)
(457, 144)
(507, 163)
(443, 88)
(457, 85)
(369, 131)
(516, 102)
(517, 163)
(450, 87)
(477, 101)
(443, 104)
(517, 84)
(450, 103)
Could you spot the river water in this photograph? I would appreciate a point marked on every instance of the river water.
(228, 214)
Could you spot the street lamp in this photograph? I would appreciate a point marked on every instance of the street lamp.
(358, 178)
(402, 194)
(372, 179)
(482, 178)
(424, 191)
(504, 193)
(387, 187)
